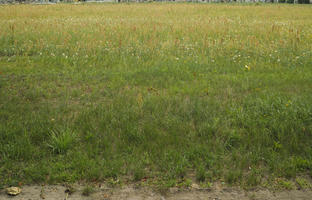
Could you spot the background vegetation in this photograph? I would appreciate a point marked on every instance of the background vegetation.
(156, 93)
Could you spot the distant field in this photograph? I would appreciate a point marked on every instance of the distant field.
(158, 94)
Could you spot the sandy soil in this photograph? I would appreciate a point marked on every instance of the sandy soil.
(130, 193)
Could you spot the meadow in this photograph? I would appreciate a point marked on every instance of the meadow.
(156, 94)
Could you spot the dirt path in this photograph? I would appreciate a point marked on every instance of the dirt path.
(130, 193)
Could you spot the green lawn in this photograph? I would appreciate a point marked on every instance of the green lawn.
(158, 94)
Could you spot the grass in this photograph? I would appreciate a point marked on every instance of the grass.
(87, 191)
(303, 183)
(61, 141)
(158, 93)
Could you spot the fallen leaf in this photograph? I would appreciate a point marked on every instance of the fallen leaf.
(13, 191)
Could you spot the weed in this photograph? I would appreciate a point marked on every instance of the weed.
(285, 184)
(206, 185)
(303, 183)
(233, 177)
(184, 183)
(114, 182)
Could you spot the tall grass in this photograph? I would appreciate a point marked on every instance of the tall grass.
(160, 92)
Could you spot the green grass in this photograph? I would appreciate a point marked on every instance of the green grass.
(61, 141)
(87, 191)
(157, 92)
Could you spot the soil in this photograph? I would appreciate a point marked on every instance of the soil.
(57, 192)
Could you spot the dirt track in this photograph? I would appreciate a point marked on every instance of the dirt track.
(58, 193)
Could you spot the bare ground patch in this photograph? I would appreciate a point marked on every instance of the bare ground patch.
(57, 192)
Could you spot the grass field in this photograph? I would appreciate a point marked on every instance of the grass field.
(157, 94)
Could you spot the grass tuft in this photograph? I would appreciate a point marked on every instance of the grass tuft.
(62, 140)
(88, 190)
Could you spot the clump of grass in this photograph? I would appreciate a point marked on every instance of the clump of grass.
(233, 176)
(201, 174)
(303, 183)
(285, 184)
(88, 190)
(138, 174)
(206, 185)
(62, 140)
(252, 179)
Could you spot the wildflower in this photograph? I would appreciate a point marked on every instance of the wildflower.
(247, 67)
(288, 103)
